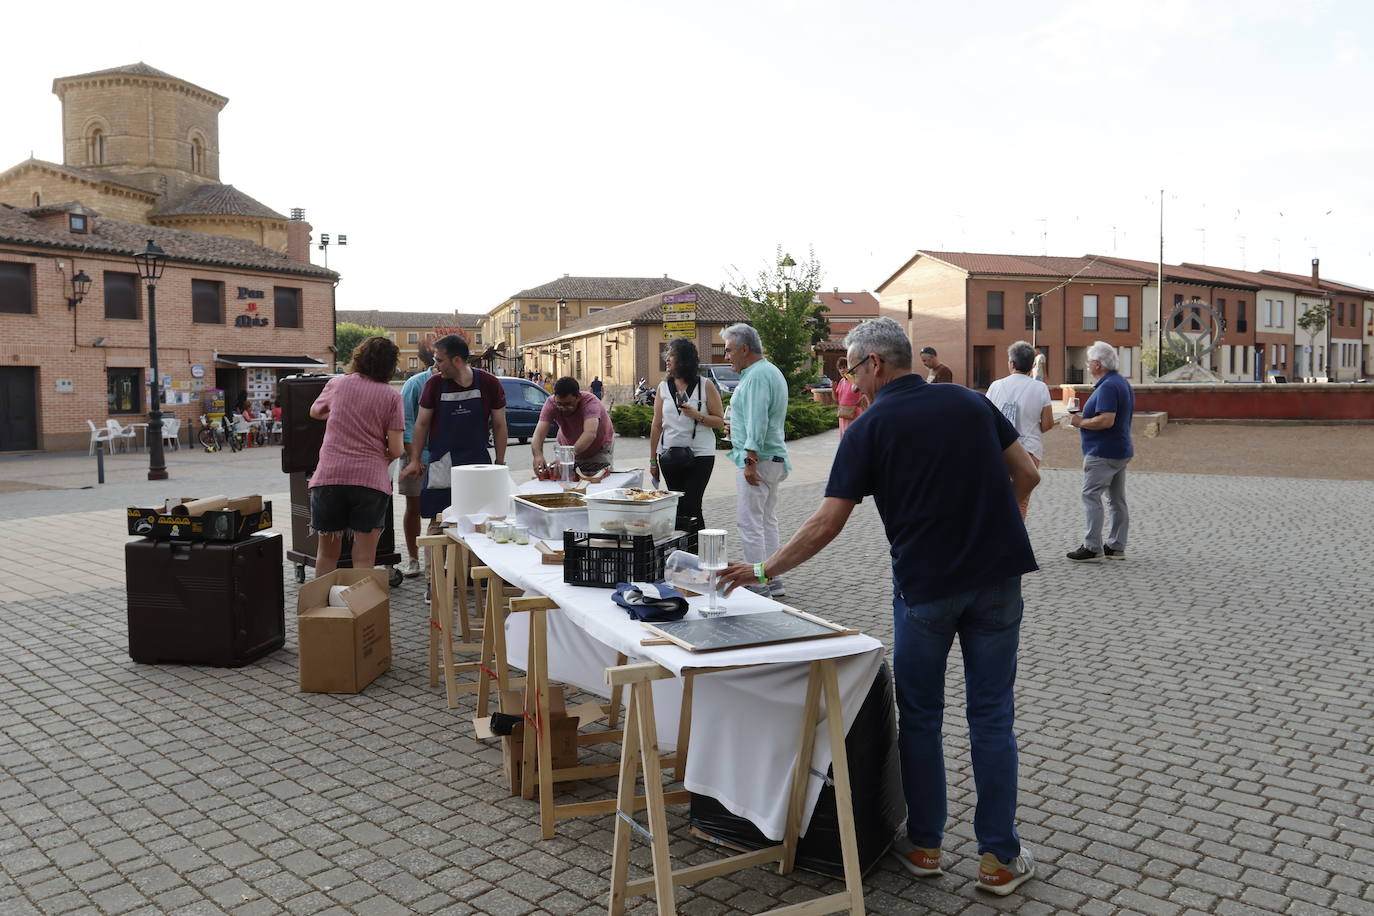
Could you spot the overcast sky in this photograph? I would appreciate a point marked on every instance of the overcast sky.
(471, 150)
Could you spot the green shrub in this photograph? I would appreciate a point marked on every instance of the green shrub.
(633, 420)
(804, 418)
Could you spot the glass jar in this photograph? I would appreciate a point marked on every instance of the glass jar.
(499, 532)
(520, 534)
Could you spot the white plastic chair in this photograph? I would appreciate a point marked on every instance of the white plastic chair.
(97, 435)
(276, 431)
(119, 433)
(242, 427)
(171, 432)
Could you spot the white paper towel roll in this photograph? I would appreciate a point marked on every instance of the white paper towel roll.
(481, 488)
(336, 596)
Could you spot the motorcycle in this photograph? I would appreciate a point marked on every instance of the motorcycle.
(644, 394)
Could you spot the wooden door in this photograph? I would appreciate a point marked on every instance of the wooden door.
(18, 409)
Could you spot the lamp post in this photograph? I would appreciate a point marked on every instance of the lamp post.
(151, 261)
(81, 284)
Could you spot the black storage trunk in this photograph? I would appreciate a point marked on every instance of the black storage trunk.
(301, 438)
(875, 782)
(205, 603)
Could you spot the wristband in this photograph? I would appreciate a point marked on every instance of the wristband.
(758, 571)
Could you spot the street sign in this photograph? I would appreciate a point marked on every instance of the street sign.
(688, 334)
(680, 299)
(680, 326)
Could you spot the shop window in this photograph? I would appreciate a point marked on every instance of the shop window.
(122, 390)
(16, 288)
(1122, 313)
(995, 310)
(207, 302)
(1090, 312)
(121, 296)
(286, 304)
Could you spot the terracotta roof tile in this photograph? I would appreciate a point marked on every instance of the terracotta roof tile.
(389, 319)
(627, 288)
(1181, 273)
(713, 307)
(89, 175)
(1295, 282)
(860, 304)
(217, 200)
(1050, 267)
(116, 237)
(1329, 285)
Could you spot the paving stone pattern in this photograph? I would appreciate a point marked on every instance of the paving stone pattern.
(1194, 724)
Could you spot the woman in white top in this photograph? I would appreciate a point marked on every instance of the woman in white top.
(682, 441)
(1025, 402)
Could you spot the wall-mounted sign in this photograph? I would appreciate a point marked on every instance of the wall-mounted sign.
(250, 321)
(246, 293)
(197, 372)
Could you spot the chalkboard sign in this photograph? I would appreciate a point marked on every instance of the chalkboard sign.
(743, 630)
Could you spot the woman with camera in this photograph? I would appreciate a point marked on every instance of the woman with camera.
(682, 441)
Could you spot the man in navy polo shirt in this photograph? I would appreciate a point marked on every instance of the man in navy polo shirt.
(1105, 430)
(958, 548)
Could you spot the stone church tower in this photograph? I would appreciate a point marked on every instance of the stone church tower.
(142, 145)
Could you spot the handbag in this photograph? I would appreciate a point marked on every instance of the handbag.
(846, 411)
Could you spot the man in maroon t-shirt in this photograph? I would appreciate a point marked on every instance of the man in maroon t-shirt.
(458, 408)
(582, 422)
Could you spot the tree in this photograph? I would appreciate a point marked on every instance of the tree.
(347, 336)
(1313, 320)
(780, 304)
(1173, 359)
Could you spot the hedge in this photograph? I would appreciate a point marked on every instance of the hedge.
(805, 417)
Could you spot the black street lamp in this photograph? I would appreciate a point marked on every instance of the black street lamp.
(151, 261)
(81, 284)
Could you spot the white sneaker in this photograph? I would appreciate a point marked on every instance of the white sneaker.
(1001, 878)
(410, 567)
(776, 589)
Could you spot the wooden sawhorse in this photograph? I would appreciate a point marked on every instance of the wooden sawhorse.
(640, 749)
(537, 766)
(449, 563)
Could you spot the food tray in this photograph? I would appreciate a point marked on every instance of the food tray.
(612, 512)
(601, 562)
(548, 515)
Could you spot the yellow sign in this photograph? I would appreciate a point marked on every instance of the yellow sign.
(680, 326)
(669, 307)
(686, 333)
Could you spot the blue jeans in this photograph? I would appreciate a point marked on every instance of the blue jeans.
(987, 621)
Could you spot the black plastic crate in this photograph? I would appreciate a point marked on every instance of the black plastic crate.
(601, 561)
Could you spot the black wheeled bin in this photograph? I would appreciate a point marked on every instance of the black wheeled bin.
(301, 438)
(206, 602)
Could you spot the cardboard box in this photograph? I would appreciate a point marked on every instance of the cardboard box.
(343, 649)
(228, 520)
(562, 729)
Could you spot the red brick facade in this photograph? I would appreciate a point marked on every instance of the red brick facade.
(59, 343)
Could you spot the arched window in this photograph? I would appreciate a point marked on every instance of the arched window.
(197, 154)
(37, 199)
(95, 147)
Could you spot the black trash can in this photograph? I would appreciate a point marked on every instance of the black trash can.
(205, 603)
(875, 784)
(302, 436)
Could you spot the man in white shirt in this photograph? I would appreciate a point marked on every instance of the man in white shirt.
(1025, 402)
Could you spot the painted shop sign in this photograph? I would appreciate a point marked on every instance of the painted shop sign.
(246, 293)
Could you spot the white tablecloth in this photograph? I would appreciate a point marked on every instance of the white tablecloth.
(745, 724)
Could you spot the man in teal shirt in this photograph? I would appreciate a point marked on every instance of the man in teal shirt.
(758, 410)
(409, 487)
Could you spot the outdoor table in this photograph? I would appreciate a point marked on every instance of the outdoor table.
(753, 702)
(142, 435)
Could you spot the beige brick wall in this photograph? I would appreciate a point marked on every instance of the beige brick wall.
(59, 341)
(937, 294)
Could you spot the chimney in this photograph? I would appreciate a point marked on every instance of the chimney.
(1316, 271)
(298, 240)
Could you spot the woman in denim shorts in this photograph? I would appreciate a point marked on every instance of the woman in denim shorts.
(364, 426)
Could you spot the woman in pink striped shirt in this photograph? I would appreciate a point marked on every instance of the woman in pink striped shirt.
(351, 486)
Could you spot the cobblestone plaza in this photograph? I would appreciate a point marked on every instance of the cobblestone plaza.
(1194, 723)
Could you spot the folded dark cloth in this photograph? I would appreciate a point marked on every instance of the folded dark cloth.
(669, 605)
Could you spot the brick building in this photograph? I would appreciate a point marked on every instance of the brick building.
(238, 306)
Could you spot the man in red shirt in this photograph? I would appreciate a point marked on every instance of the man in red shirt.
(582, 422)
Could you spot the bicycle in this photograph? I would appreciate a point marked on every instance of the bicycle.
(214, 437)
